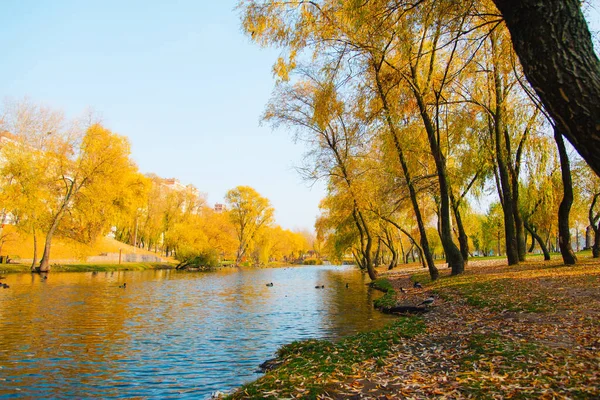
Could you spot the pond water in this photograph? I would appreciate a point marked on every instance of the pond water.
(168, 334)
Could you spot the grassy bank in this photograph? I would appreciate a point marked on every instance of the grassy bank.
(527, 331)
(87, 267)
(307, 368)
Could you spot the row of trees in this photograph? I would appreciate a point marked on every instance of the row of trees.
(76, 179)
(411, 109)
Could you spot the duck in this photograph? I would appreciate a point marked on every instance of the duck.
(270, 284)
(123, 286)
(320, 287)
(5, 286)
(347, 285)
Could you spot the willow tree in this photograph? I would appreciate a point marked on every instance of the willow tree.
(249, 212)
(335, 135)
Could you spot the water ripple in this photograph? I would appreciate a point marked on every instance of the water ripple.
(169, 334)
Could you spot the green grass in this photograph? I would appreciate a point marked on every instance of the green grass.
(84, 267)
(309, 365)
(388, 300)
(382, 284)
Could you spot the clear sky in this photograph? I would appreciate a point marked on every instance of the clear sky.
(177, 77)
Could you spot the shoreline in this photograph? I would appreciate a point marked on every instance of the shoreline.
(18, 268)
(484, 336)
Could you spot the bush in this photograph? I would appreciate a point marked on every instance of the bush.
(312, 261)
(205, 259)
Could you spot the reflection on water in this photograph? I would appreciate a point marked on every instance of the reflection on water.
(168, 334)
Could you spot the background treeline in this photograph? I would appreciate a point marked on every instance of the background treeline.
(413, 111)
(76, 179)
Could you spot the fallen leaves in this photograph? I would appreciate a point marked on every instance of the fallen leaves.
(530, 331)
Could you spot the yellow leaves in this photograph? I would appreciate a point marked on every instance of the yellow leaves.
(326, 105)
(282, 69)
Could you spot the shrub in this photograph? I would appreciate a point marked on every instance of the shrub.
(205, 259)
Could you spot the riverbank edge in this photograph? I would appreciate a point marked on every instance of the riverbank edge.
(85, 267)
(308, 360)
(305, 367)
(486, 335)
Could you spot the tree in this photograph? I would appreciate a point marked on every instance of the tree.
(554, 45)
(30, 132)
(249, 213)
(100, 157)
(564, 234)
(331, 125)
(590, 186)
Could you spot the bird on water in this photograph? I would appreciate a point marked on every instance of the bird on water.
(123, 286)
(270, 284)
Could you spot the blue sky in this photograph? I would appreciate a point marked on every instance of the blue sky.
(178, 78)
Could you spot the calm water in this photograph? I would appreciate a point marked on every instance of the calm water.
(169, 334)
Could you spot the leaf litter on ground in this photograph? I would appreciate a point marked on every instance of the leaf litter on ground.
(527, 331)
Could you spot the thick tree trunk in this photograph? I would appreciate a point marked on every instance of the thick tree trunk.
(539, 240)
(564, 234)
(554, 45)
(463, 239)
(519, 228)
(45, 262)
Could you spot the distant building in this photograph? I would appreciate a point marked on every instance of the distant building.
(6, 217)
(174, 184)
(220, 207)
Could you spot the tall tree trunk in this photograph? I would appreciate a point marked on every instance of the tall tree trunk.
(596, 247)
(595, 225)
(35, 253)
(389, 243)
(376, 259)
(539, 240)
(532, 244)
(564, 234)
(433, 271)
(453, 254)
(366, 240)
(45, 262)
(554, 45)
(463, 239)
(519, 228)
(512, 253)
